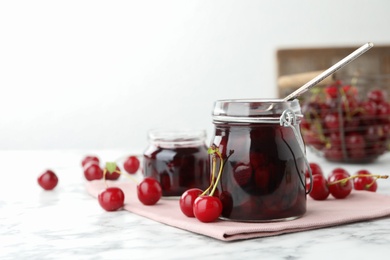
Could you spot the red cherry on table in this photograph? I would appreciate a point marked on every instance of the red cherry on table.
(366, 182)
(320, 190)
(207, 208)
(48, 180)
(187, 200)
(149, 191)
(315, 170)
(342, 189)
(90, 158)
(111, 199)
(131, 164)
(92, 171)
(113, 175)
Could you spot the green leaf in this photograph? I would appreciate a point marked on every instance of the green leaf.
(111, 167)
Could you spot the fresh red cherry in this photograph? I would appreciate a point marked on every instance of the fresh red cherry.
(187, 200)
(93, 172)
(339, 184)
(113, 175)
(369, 108)
(334, 154)
(332, 121)
(313, 139)
(366, 182)
(320, 190)
(383, 111)
(356, 143)
(315, 170)
(373, 133)
(376, 95)
(89, 158)
(111, 199)
(149, 191)
(131, 164)
(335, 140)
(357, 154)
(48, 180)
(207, 208)
(354, 140)
(350, 91)
(333, 90)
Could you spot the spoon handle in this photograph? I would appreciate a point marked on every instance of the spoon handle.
(329, 71)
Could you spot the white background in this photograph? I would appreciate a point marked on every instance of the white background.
(99, 74)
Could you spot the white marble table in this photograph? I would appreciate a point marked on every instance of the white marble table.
(67, 223)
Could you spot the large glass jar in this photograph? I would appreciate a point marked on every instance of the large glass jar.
(264, 174)
(178, 159)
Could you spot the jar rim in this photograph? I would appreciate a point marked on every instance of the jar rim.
(176, 137)
(253, 110)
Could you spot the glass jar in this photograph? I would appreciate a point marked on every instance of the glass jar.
(264, 174)
(178, 160)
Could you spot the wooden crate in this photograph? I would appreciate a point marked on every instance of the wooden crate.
(290, 62)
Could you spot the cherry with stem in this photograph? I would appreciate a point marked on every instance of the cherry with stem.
(207, 207)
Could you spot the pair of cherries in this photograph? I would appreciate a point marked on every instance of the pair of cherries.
(340, 183)
(204, 205)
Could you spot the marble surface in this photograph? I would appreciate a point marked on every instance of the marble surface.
(67, 223)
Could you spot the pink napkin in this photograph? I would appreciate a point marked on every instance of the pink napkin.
(359, 206)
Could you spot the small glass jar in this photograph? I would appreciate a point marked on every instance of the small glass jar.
(264, 174)
(178, 159)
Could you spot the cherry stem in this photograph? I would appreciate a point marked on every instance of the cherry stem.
(343, 181)
(214, 181)
(370, 184)
(219, 173)
(212, 177)
(317, 123)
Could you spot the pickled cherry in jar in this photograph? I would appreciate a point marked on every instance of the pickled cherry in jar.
(178, 159)
(263, 178)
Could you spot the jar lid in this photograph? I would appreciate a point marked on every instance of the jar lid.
(253, 110)
(177, 137)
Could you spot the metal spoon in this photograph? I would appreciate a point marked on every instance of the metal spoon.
(329, 71)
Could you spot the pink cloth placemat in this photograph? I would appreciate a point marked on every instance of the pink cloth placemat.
(359, 206)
